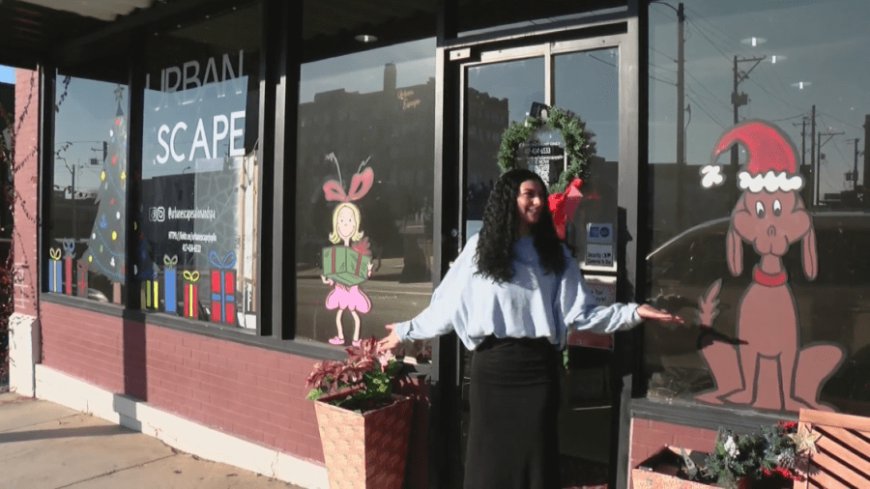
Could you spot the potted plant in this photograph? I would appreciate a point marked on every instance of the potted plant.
(364, 426)
(771, 457)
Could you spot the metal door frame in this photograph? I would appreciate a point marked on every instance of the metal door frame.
(452, 61)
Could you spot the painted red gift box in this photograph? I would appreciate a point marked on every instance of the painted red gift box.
(223, 288)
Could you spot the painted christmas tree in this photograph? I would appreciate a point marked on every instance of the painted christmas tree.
(106, 248)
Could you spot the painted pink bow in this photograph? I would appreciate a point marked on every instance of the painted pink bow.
(563, 205)
(360, 184)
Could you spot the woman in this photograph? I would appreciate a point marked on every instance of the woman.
(511, 296)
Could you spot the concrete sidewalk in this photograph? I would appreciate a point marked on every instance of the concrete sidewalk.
(47, 446)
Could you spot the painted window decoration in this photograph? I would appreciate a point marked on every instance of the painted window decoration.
(771, 216)
(347, 262)
(364, 194)
(197, 222)
(764, 243)
(86, 235)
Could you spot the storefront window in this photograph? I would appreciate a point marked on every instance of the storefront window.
(86, 233)
(364, 187)
(198, 246)
(765, 242)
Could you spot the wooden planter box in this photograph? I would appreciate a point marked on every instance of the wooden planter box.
(660, 472)
(365, 450)
(647, 479)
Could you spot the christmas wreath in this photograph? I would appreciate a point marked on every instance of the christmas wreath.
(578, 144)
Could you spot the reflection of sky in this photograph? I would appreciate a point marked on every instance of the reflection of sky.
(81, 125)
(211, 104)
(364, 72)
(7, 74)
(585, 83)
(823, 41)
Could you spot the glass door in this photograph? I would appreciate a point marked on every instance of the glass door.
(500, 87)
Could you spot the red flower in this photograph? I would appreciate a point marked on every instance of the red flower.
(788, 425)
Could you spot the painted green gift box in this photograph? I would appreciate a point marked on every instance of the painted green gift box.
(345, 265)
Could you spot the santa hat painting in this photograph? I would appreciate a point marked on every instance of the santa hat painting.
(771, 163)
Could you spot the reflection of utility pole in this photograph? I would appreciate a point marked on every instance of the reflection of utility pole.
(807, 195)
(740, 98)
(819, 157)
(812, 198)
(681, 107)
(681, 87)
(866, 160)
(681, 111)
(803, 125)
(855, 165)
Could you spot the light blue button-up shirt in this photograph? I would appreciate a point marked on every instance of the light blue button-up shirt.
(534, 304)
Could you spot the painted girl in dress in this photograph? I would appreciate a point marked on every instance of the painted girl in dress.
(346, 232)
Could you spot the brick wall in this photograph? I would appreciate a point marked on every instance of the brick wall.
(26, 170)
(252, 393)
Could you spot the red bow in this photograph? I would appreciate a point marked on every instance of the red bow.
(360, 184)
(563, 205)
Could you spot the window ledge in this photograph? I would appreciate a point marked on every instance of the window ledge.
(300, 347)
(703, 416)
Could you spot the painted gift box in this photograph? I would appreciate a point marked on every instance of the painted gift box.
(55, 271)
(223, 288)
(345, 265)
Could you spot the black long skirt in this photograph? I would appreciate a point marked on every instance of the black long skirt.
(513, 432)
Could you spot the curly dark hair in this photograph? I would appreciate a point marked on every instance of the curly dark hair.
(501, 230)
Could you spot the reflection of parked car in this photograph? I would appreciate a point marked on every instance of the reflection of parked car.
(835, 307)
(97, 295)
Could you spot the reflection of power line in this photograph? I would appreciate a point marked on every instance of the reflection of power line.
(841, 122)
(712, 43)
(706, 112)
(710, 92)
(608, 63)
(696, 99)
(667, 82)
(709, 29)
(773, 95)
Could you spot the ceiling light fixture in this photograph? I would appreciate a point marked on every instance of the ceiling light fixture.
(754, 41)
(800, 85)
(777, 58)
(366, 38)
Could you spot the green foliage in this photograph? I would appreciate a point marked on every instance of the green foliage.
(366, 376)
(578, 144)
(764, 454)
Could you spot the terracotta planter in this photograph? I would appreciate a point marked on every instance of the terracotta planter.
(365, 450)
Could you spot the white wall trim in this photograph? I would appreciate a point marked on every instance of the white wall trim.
(24, 350)
(186, 435)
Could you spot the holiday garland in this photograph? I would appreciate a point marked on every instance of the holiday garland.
(578, 144)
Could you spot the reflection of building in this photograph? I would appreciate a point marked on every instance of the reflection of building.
(394, 129)
(74, 214)
(487, 119)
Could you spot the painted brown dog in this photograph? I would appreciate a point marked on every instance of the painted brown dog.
(770, 215)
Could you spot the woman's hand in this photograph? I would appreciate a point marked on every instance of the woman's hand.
(648, 312)
(327, 281)
(391, 341)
